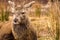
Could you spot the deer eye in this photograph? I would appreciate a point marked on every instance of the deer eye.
(22, 13)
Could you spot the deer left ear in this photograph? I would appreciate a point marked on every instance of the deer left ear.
(29, 4)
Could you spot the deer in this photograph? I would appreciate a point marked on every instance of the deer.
(21, 24)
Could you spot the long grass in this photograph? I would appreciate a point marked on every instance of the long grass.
(37, 12)
(4, 15)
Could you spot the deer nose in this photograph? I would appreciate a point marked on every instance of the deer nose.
(15, 20)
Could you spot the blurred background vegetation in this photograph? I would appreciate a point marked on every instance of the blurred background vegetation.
(4, 15)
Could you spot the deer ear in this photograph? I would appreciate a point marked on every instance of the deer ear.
(29, 4)
(11, 3)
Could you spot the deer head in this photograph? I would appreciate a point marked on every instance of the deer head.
(20, 12)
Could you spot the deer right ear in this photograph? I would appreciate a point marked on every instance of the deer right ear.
(12, 6)
(11, 3)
